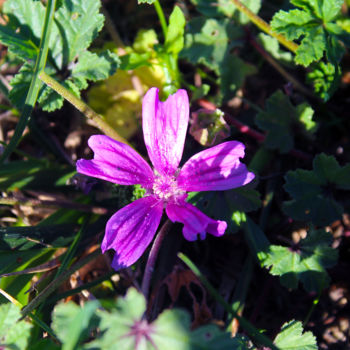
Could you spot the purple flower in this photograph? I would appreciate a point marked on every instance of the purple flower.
(131, 229)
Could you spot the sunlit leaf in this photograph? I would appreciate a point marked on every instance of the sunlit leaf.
(14, 334)
(292, 337)
(305, 262)
(314, 26)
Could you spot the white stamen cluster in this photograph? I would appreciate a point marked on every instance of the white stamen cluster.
(165, 188)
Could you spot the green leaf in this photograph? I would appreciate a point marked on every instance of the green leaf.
(23, 30)
(233, 72)
(209, 41)
(226, 8)
(292, 337)
(94, 67)
(72, 324)
(174, 40)
(313, 191)
(14, 334)
(80, 21)
(150, 2)
(313, 25)
(124, 329)
(77, 23)
(272, 46)
(280, 119)
(229, 206)
(305, 262)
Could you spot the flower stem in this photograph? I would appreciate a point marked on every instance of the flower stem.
(82, 107)
(260, 23)
(153, 257)
(161, 17)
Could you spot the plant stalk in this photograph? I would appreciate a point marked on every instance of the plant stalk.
(97, 119)
(146, 281)
(161, 17)
(265, 27)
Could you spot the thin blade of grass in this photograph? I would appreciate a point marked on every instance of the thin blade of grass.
(35, 83)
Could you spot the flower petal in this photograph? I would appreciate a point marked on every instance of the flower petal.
(131, 229)
(164, 129)
(115, 162)
(195, 222)
(215, 169)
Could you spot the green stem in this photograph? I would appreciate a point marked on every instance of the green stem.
(246, 325)
(260, 23)
(161, 17)
(58, 281)
(82, 107)
(35, 83)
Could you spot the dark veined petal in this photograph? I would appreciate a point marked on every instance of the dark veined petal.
(195, 222)
(115, 162)
(215, 169)
(131, 229)
(164, 128)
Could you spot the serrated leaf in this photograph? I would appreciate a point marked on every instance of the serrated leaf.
(292, 337)
(305, 262)
(124, 329)
(81, 22)
(23, 30)
(229, 206)
(174, 39)
(14, 334)
(312, 191)
(95, 66)
(77, 23)
(314, 28)
(279, 120)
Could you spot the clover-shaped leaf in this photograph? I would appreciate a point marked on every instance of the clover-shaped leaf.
(313, 191)
(314, 24)
(305, 262)
(280, 118)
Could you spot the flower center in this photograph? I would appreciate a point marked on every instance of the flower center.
(165, 188)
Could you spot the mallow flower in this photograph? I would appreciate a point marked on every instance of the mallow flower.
(131, 229)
